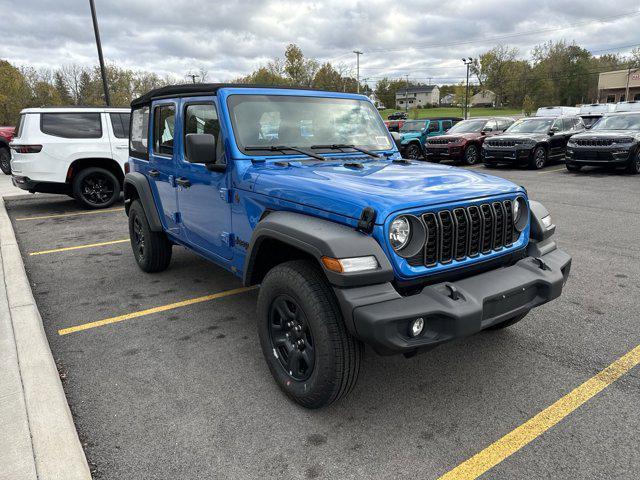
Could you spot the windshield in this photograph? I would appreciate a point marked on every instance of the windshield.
(468, 126)
(531, 125)
(618, 122)
(413, 126)
(299, 121)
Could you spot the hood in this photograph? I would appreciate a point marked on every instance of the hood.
(466, 136)
(595, 134)
(409, 135)
(383, 185)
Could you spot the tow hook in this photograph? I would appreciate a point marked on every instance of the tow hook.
(454, 293)
(541, 264)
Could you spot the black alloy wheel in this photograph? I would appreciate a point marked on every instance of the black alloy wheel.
(539, 158)
(471, 155)
(634, 166)
(291, 337)
(413, 152)
(137, 239)
(97, 189)
(5, 161)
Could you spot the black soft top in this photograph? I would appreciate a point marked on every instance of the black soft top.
(196, 89)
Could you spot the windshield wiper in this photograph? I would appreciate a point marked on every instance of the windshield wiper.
(342, 146)
(282, 148)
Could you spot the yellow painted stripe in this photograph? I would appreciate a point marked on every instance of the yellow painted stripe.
(149, 311)
(554, 170)
(79, 247)
(543, 421)
(73, 214)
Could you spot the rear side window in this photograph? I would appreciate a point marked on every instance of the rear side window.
(120, 124)
(71, 125)
(139, 139)
(20, 126)
(446, 124)
(164, 123)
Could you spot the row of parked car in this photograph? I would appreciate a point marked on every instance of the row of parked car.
(591, 135)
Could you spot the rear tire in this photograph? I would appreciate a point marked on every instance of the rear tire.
(310, 353)
(152, 250)
(634, 166)
(413, 152)
(508, 322)
(538, 158)
(471, 155)
(96, 187)
(5, 160)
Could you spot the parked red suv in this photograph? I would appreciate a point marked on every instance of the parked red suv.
(6, 135)
(463, 141)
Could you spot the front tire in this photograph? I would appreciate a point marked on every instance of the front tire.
(634, 166)
(5, 160)
(96, 188)
(471, 155)
(152, 250)
(538, 159)
(413, 152)
(305, 343)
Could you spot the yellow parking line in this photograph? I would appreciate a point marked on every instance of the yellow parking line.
(78, 247)
(554, 170)
(74, 214)
(543, 421)
(149, 311)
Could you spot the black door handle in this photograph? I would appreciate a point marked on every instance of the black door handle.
(154, 173)
(183, 182)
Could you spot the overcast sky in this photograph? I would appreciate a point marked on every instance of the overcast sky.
(424, 39)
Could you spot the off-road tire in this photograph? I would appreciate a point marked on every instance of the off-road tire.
(85, 196)
(5, 160)
(471, 155)
(155, 254)
(337, 354)
(508, 322)
(413, 152)
(539, 158)
(634, 165)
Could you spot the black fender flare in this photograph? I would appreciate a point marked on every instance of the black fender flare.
(318, 237)
(4, 143)
(138, 183)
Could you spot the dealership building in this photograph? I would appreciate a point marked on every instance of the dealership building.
(613, 86)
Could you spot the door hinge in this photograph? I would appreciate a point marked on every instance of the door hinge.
(225, 194)
(227, 238)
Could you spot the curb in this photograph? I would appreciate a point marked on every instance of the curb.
(54, 445)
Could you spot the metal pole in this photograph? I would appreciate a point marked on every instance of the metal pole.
(466, 96)
(105, 86)
(358, 53)
(406, 94)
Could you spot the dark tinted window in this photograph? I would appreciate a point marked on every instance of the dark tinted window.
(446, 124)
(164, 124)
(504, 124)
(433, 126)
(120, 124)
(71, 125)
(139, 140)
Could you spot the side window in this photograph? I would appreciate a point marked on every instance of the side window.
(433, 126)
(557, 125)
(139, 140)
(578, 124)
(203, 118)
(120, 124)
(164, 124)
(504, 124)
(71, 125)
(490, 126)
(446, 125)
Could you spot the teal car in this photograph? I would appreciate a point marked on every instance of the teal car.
(414, 133)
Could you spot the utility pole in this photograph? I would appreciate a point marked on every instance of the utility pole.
(105, 86)
(358, 53)
(406, 93)
(467, 62)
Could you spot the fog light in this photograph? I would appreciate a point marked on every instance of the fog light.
(416, 327)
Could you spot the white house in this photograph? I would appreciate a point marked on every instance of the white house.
(413, 97)
(447, 100)
(484, 98)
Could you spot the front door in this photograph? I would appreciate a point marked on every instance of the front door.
(203, 195)
(162, 164)
(557, 141)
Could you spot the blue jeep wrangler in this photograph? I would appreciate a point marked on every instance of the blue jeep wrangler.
(414, 134)
(305, 194)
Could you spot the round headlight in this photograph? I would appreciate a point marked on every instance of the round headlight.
(399, 232)
(520, 213)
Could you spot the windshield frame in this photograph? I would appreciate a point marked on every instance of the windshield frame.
(227, 98)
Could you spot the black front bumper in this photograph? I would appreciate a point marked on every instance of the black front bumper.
(32, 186)
(514, 155)
(453, 153)
(597, 157)
(379, 316)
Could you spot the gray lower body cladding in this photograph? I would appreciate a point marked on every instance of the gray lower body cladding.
(381, 318)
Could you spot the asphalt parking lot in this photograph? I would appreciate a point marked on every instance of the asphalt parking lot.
(166, 379)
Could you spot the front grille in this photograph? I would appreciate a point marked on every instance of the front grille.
(592, 155)
(594, 142)
(501, 143)
(438, 141)
(467, 232)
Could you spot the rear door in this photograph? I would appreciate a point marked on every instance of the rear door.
(118, 126)
(557, 141)
(162, 162)
(203, 195)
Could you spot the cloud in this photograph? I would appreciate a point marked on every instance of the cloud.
(231, 38)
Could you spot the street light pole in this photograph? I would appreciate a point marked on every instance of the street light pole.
(358, 53)
(406, 94)
(467, 62)
(103, 73)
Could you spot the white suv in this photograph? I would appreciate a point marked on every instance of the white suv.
(78, 151)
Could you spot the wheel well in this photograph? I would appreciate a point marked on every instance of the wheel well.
(271, 252)
(106, 163)
(130, 194)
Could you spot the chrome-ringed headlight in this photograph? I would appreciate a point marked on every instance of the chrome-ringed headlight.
(407, 235)
(520, 213)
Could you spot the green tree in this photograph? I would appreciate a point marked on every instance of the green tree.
(14, 93)
(299, 70)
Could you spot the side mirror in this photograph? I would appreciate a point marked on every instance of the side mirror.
(201, 148)
(397, 139)
(552, 131)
